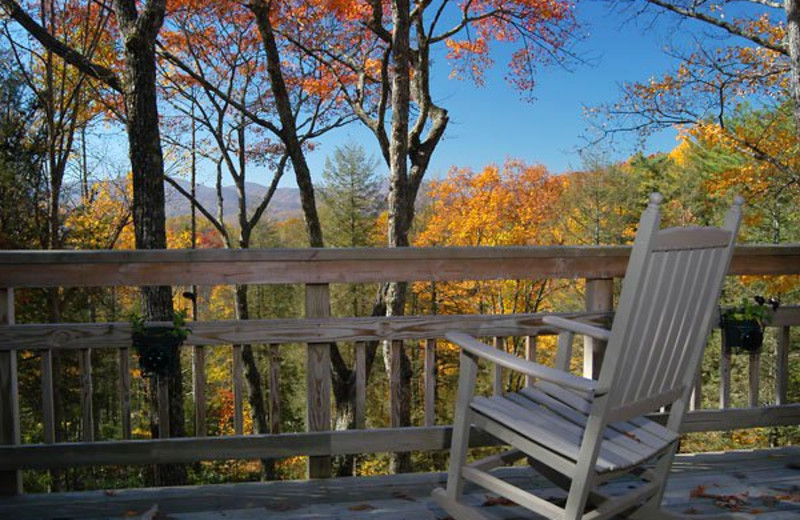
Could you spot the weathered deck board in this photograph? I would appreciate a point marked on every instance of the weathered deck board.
(766, 472)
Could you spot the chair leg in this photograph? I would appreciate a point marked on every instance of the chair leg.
(454, 508)
(448, 499)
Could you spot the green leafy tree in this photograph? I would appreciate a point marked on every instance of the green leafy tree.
(352, 197)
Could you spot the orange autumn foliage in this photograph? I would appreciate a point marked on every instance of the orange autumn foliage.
(493, 207)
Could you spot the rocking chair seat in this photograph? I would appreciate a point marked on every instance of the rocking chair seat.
(554, 419)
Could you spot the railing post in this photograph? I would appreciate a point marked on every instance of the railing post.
(10, 481)
(318, 378)
(238, 391)
(274, 389)
(199, 386)
(782, 366)
(754, 378)
(599, 298)
(87, 407)
(430, 382)
(725, 377)
(48, 401)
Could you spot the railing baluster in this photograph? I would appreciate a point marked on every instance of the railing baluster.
(782, 366)
(754, 378)
(725, 378)
(430, 382)
(238, 387)
(199, 387)
(530, 355)
(497, 379)
(318, 378)
(361, 385)
(10, 481)
(87, 407)
(274, 389)
(125, 391)
(599, 298)
(162, 396)
(48, 404)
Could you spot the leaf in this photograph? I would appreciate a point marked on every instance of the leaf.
(403, 496)
(361, 507)
(497, 501)
(282, 506)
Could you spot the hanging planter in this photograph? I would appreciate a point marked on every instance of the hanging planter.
(158, 347)
(743, 326)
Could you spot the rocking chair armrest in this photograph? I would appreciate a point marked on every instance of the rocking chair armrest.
(578, 327)
(523, 366)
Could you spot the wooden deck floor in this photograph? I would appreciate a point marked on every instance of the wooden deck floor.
(764, 483)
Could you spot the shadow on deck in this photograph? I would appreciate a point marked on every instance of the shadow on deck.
(765, 483)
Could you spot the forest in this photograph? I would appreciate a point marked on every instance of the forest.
(239, 89)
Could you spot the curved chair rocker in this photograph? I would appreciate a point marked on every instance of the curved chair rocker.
(578, 432)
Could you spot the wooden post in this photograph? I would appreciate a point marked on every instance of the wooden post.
(10, 481)
(274, 389)
(530, 355)
(318, 378)
(162, 396)
(199, 386)
(599, 298)
(725, 378)
(87, 407)
(782, 366)
(755, 373)
(125, 391)
(361, 385)
(238, 389)
(48, 401)
(430, 382)
(497, 372)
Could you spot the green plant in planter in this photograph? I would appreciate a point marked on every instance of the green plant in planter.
(743, 325)
(158, 346)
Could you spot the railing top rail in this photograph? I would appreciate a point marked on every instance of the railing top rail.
(312, 265)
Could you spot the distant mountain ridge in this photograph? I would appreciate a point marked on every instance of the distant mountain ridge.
(285, 202)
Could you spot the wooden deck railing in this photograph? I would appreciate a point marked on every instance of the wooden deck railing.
(316, 268)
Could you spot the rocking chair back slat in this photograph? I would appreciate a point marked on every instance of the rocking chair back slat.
(668, 297)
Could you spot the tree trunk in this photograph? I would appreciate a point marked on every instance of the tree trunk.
(288, 131)
(398, 218)
(255, 395)
(793, 45)
(147, 166)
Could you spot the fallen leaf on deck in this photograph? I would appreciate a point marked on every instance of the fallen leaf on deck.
(361, 507)
(699, 491)
(733, 502)
(404, 496)
(282, 506)
(498, 501)
(768, 500)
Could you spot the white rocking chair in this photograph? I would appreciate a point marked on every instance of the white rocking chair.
(578, 432)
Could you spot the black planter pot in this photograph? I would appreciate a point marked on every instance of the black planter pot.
(746, 336)
(158, 350)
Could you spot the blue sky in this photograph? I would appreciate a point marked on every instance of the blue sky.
(491, 123)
